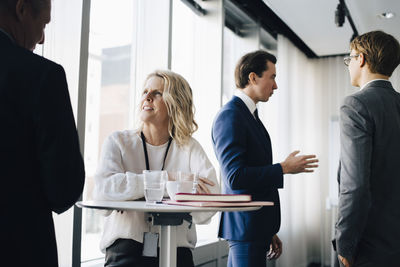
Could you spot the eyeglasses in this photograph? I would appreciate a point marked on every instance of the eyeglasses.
(347, 59)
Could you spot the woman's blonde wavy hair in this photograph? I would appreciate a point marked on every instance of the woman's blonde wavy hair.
(178, 98)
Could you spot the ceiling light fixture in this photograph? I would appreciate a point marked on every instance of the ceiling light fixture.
(340, 15)
(387, 15)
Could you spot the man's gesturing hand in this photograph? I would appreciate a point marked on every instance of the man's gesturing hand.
(275, 250)
(297, 164)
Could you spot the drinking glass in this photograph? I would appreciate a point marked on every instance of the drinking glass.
(154, 184)
(195, 182)
(188, 180)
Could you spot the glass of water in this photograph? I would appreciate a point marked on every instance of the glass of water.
(195, 182)
(189, 181)
(154, 184)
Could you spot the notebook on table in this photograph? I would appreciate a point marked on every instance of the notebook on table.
(219, 203)
(212, 197)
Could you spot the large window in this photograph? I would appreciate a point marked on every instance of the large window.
(126, 42)
(197, 55)
(108, 97)
(62, 45)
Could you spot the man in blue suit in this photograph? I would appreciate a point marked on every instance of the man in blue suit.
(243, 148)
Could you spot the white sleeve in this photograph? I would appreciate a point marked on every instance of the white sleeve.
(112, 182)
(200, 163)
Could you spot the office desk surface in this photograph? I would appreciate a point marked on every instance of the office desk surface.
(158, 208)
(163, 212)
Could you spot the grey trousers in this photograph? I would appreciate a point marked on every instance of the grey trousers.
(362, 261)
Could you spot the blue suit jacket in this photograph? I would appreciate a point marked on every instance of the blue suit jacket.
(243, 149)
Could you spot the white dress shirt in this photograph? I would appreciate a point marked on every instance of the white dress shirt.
(247, 100)
(119, 177)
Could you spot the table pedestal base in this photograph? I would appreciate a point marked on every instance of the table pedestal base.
(168, 246)
(168, 223)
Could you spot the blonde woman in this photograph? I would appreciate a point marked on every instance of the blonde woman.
(167, 125)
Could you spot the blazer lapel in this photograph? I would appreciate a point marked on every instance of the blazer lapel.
(262, 127)
(254, 124)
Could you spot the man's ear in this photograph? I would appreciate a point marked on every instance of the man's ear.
(21, 9)
(362, 59)
(252, 78)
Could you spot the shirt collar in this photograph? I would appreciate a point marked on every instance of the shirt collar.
(247, 100)
(7, 34)
(362, 87)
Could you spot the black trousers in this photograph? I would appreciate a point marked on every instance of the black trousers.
(128, 253)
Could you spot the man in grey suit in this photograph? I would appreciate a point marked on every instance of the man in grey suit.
(368, 226)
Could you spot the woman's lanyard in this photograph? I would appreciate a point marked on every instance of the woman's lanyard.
(146, 155)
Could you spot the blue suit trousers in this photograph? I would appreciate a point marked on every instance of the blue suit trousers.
(247, 254)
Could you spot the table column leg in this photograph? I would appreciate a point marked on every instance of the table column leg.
(168, 246)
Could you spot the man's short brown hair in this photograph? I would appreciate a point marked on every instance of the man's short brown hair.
(381, 51)
(252, 62)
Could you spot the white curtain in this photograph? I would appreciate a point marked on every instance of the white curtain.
(299, 117)
(395, 79)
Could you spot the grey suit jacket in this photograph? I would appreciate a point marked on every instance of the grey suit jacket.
(369, 176)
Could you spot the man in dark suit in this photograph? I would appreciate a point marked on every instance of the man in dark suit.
(41, 167)
(368, 226)
(243, 148)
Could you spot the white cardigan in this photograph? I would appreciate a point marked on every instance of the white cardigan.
(119, 177)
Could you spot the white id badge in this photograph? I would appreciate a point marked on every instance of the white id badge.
(150, 244)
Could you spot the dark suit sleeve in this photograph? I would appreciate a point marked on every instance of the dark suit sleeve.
(232, 151)
(60, 162)
(354, 187)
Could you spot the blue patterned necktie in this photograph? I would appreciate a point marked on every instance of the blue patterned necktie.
(260, 124)
(264, 131)
(256, 116)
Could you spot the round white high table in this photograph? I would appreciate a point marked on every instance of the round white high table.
(167, 216)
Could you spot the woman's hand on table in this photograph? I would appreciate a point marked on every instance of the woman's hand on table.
(203, 184)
